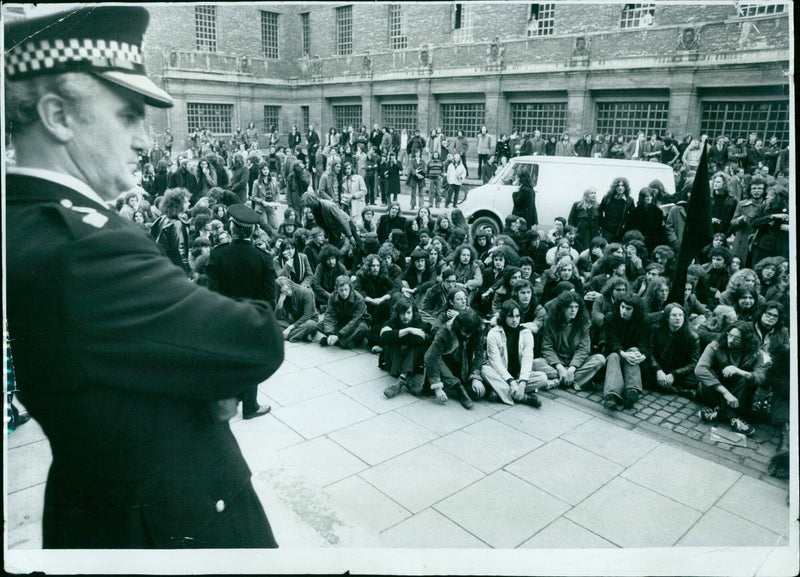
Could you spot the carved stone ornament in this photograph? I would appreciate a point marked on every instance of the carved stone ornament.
(687, 39)
(494, 53)
(315, 65)
(581, 48)
(425, 60)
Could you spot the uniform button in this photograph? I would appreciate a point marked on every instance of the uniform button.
(220, 506)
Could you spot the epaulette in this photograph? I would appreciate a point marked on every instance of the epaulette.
(90, 215)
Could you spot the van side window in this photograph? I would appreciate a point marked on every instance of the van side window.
(530, 168)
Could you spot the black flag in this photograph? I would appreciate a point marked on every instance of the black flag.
(698, 231)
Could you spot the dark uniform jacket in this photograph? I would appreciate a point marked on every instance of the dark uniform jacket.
(241, 270)
(119, 357)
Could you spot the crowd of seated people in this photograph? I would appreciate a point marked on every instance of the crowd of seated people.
(485, 316)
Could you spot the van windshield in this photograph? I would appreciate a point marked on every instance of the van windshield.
(509, 172)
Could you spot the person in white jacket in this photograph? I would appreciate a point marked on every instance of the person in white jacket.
(456, 173)
(509, 356)
(354, 191)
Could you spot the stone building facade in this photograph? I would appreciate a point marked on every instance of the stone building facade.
(559, 67)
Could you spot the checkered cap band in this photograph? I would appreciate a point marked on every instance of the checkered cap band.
(64, 55)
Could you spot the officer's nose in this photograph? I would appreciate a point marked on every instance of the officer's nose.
(141, 140)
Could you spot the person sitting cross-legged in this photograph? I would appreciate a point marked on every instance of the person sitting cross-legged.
(405, 337)
(675, 350)
(296, 311)
(454, 360)
(509, 357)
(729, 370)
(346, 317)
(627, 345)
(566, 358)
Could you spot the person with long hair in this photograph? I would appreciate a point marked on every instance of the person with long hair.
(405, 337)
(417, 278)
(648, 219)
(729, 371)
(377, 289)
(264, 196)
(747, 209)
(655, 300)
(392, 219)
(563, 270)
(467, 268)
(674, 352)
(346, 319)
(772, 226)
(566, 346)
(171, 231)
(296, 311)
(454, 360)
(509, 358)
(615, 209)
(323, 283)
(294, 264)
(584, 216)
(512, 276)
(627, 345)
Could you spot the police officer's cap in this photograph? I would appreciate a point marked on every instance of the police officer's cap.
(242, 215)
(105, 41)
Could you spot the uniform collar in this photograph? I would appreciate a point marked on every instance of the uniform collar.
(59, 178)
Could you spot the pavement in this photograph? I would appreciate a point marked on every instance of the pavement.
(337, 465)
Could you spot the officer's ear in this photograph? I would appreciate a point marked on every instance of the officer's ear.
(56, 116)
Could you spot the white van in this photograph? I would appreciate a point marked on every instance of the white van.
(559, 181)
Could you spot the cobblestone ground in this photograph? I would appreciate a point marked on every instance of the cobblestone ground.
(675, 417)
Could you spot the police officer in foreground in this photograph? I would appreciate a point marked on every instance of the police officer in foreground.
(240, 270)
(118, 356)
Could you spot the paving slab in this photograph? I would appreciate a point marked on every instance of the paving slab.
(421, 477)
(372, 507)
(301, 385)
(320, 461)
(312, 355)
(31, 465)
(370, 394)
(322, 415)
(502, 510)
(688, 479)
(259, 438)
(564, 534)
(719, 528)
(629, 515)
(551, 421)
(25, 507)
(487, 445)
(430, 529)
(611, 441)
(759, 502)
(30, 432)
(444, 419)
(565, 470)
(382, 437)
(354, 370)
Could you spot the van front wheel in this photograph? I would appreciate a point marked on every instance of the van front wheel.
(483, 222)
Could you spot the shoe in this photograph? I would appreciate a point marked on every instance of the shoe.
(394, 389)
(466, 402)
(323, 341)
(376, 350)
(492, 397)
(260, 412)
(707, 415)
(631, 396)
(740, 426)
(532, 400)
(549, 385)
(610, 402)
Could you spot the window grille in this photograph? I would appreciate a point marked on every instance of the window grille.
(305, 28)
(748, 10)
(541, 19)
(466, 117)
(271, 114)
(629, 118)
(397, 29)
(306, 118)
(399, 116)
(218, 118)
(637, 15)
(347, 115)
(742, 118)
(269, 34)
(344, 30)
(205, 26)
(549, 117)
(462, 23)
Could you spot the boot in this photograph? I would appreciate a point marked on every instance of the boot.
(783, 445)
(532, 400)
(465, 399)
